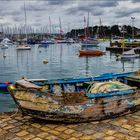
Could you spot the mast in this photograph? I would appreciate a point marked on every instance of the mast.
(25, 16)
(60, 25)
(133, 18)
(88, 25)
(85, 27)
(50, 24)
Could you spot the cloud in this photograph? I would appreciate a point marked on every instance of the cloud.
(135, 1)
(34, 7)
(70, 11)
(127, 12)
(17, 18)
(105, 3)
(97, 8)
(58, 2)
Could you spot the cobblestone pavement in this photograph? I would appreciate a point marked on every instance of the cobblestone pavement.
(20, 127)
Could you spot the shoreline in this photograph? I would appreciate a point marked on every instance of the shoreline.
(20, 127)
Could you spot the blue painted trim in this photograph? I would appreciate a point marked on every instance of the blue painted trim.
(103, 77)
(109, 94)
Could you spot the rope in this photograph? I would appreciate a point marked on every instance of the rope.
(9, 117)
(17, 110)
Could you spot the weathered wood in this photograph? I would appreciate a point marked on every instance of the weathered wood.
(25, 84)
(74, 97)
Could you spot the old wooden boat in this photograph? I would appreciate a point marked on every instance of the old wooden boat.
(75, 100)
(91, 52)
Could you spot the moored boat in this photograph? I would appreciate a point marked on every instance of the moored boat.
(130, 54)
(75, 100)
(133, 79)
(23, 47)
(90, 43)
(4, 47)
(3, 86)
(47, 42)
(91, 52)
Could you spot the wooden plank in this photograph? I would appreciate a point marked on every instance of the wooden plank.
(27, 85)
(36, 80)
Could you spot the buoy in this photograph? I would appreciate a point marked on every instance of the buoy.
(45, 61)
(117, 55)
(4, 55)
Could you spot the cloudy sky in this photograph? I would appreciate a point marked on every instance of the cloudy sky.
(72, 12)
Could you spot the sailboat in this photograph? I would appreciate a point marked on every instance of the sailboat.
(60, 38)
(87, 51)
(23, 45)
(87, 41)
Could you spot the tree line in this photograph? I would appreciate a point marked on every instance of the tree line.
(105, 32)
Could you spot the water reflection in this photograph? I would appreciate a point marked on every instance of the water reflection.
(23, 63)
(63, 62)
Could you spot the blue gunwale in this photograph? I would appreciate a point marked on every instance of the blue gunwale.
(103, 77)
(109, 94)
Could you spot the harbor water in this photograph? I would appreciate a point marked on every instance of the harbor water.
(63, 62)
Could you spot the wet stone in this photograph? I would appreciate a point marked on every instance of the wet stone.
(18, 124)
(29, 137)
(17, 138)
(13, 121)
(44, 128)
(52, 138)
(8, 127)
(24, 126)
(51, 126)
(123, 130)
(33, 130)
(86, 138)
(22, 133)
(2, 137)
(64, 136)
(126, 126)
(137, 129)
(110, 132)
(132, 138)
(134, 133)
(98, 135)
(120, 135)
(2, 125)
(89, 131)
(72, 138)
(9, 136)
(43, 135)
(54, 132)
(69, 131)
(137, 125)
(77, 134)
(36, 125)
(3, 132)
(37, 138)
(60, 128)
(109, 138)
(14, 130)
